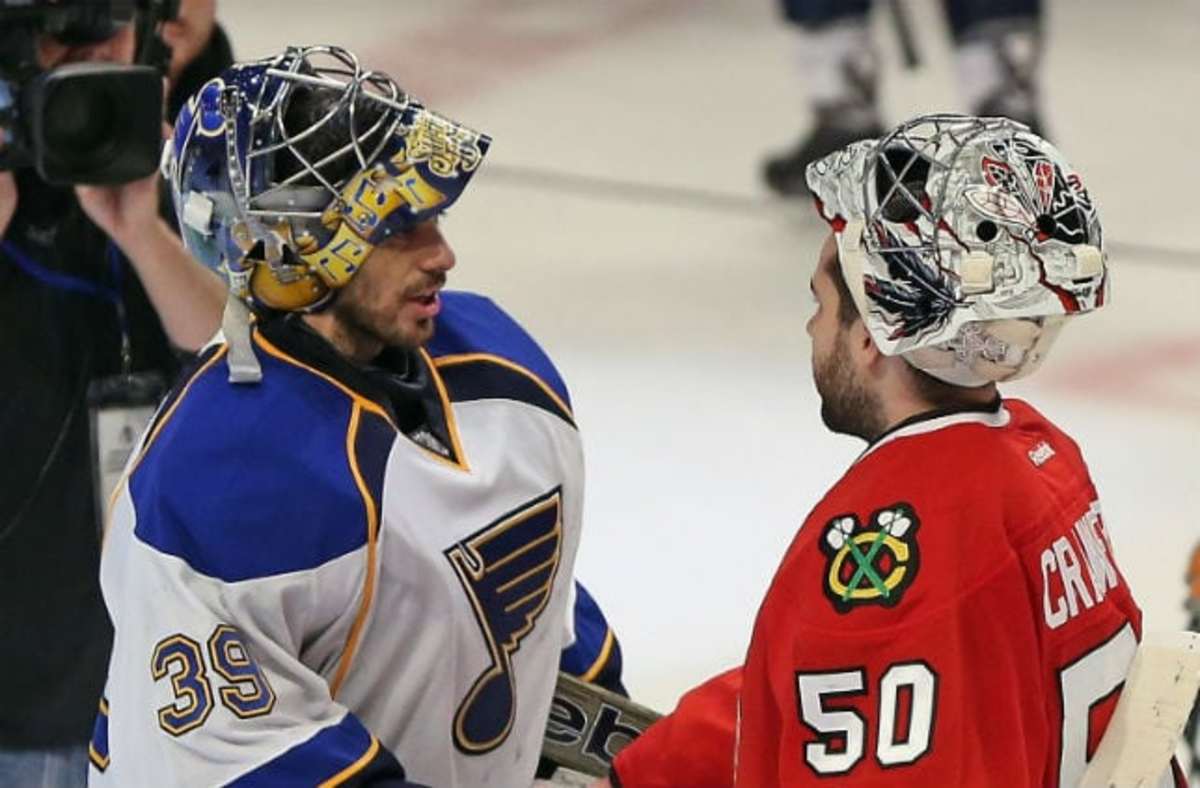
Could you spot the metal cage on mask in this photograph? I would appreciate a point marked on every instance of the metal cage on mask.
(289, 243)
(965, 242)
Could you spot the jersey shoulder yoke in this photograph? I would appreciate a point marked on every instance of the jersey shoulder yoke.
(249, 481)
(483, 353)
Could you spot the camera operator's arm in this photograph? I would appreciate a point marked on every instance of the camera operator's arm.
(8, 200)
(187, 297)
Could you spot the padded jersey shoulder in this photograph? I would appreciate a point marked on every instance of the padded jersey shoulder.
(249, 481)
(481, 352)
(946, 500)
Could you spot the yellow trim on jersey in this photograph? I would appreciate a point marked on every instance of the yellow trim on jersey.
(525, 548)
(367, 404)
(504, 587)
(542, 590)
(371, 406)
(99, 761)
(464, 358)
(161, 669)
(372, 537)
(262, 689)
(602, 660)
(469, 566)
(112, 500)
(451, 424)
(354, 768)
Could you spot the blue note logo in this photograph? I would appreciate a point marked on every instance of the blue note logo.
(507, 571)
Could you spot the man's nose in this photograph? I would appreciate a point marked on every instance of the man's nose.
(440, 257)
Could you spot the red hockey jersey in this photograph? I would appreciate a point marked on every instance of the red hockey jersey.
(950, 614)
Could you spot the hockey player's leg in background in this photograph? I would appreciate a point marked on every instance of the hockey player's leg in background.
(997, 58)
(839, 66)
(998, 49)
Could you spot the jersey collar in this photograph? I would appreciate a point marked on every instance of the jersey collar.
(398, 380)
(993, 414)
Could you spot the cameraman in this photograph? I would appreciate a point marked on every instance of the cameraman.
(93, 283)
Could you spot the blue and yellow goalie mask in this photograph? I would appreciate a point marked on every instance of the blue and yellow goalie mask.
(288, 212)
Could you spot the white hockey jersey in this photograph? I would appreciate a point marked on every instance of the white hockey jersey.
(300, 591)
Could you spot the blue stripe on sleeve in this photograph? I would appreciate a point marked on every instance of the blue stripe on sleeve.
(346, 751)
(98, 747)
(486, 380)
(372, 447)
(587, 655)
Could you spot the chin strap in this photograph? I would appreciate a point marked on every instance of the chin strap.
(235, 325)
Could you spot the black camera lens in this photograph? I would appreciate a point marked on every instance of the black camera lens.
(96, 123)
(81, 122)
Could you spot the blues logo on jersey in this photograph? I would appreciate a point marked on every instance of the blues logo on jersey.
(507, 570)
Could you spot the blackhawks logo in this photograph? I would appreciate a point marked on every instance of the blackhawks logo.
(871, 564)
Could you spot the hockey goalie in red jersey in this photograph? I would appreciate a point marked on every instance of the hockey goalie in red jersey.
(951, 613)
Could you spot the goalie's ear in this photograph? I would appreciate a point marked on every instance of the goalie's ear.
(861, 345)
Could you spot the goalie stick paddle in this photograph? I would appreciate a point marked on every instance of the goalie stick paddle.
(1154, 706)
(589, 725)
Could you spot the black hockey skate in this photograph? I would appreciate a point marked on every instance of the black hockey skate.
(1022, 112)
(784, 173)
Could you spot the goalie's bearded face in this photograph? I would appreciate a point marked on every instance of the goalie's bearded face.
(393, 299)
(848, 405)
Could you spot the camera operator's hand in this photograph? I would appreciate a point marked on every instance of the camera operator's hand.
(8, 200)
(123, 211)
(187, 296)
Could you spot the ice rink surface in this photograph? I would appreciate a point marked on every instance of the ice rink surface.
(620, 218)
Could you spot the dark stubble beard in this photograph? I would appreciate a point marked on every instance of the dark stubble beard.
(363, 320)
(847, 407)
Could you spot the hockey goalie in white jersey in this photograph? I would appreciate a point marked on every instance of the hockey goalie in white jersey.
(343, 553)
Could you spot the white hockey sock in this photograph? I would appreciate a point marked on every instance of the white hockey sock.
(998, 68)
(840, 65)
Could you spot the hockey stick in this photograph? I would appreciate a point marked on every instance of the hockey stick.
(589, 725)
(1154, 706)
(908, 44)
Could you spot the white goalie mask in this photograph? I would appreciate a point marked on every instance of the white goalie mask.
(965, 243)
